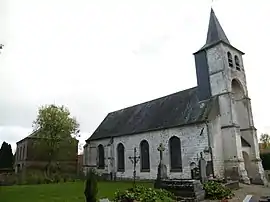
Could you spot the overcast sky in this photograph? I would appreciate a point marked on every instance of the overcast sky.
(96, 56)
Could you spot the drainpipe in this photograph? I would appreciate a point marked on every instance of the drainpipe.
(210, 147)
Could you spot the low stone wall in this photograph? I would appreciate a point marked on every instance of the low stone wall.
(7, 179)
(187, 190)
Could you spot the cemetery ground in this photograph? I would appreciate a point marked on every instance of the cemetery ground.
(73, 191)
(67, 192)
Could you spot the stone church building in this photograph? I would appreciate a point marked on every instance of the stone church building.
(214, 118)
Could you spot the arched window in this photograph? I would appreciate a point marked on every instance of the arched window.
(237, 90)
(120, 157)
(230, 60)
(101, 158)
(145, 162)
(175, 154)
(237, 62)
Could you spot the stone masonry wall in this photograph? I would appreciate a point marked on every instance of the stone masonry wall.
(217, 147)
(194, 139)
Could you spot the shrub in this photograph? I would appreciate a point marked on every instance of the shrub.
(7, 179)
(32, 176)
(217, 191)
(143, 194)
(91, 187)
(48, 180)
(56, 178)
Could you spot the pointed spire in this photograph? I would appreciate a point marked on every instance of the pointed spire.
(215, 32)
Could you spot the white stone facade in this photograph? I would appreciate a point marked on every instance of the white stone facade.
(194, 139)
(229, 84)
(222, 134)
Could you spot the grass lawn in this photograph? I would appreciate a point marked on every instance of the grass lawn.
(64, 192)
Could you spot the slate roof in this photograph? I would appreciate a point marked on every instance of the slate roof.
(32, 135)
(215, 33)
(173, 110)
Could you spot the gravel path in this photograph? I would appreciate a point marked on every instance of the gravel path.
(255, 190)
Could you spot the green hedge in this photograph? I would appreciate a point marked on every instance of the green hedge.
(266, 161)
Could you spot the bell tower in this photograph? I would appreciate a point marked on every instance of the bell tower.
(220, 72)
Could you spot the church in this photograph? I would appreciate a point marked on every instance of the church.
(213, 119)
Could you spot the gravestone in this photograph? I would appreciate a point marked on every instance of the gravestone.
(185, 189)
(209, 168)
(195, 173)
(202, 168)
(162, 168)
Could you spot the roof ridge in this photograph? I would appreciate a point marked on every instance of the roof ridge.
(155, 99)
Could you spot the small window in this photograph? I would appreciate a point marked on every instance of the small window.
(175, 154)
(230, 60)
(237, 63)
(120, 157)
(145, 161)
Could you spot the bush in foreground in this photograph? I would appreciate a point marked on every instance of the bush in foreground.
(217, 191)
(143, 194)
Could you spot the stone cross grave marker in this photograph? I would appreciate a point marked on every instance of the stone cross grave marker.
(162, 169)
(202, 168)
(161, 149)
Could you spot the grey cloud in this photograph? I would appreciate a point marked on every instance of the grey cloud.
(13, 134)
(17, 113)
(89, 111)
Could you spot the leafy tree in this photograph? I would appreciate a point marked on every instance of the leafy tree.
(54, 128)
(6, 156)
(265, 139)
